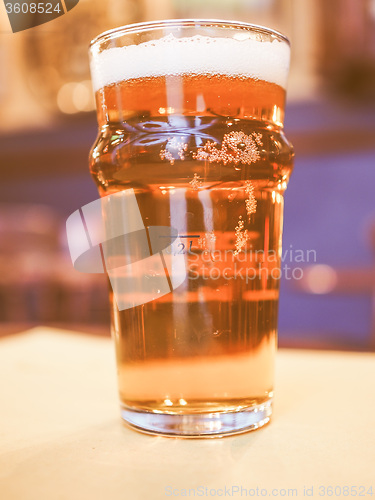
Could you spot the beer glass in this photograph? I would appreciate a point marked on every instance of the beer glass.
(192, 160)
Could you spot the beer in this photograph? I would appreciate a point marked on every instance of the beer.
(201, 145)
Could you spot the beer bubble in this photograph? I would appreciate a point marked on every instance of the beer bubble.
(236, 147)
(241, 236)
(195, 183)
(251, 202)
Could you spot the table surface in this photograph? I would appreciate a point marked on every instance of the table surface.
(61, 436)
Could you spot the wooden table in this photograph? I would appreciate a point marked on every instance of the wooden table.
(61, 437)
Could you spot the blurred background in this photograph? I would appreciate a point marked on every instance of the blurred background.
(48, 125)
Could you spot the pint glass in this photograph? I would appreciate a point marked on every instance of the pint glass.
(192, 164)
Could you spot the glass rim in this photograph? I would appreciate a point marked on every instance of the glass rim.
(151, 25)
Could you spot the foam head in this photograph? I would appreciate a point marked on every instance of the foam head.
(241, 56)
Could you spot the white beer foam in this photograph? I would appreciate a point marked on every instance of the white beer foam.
(241, 56)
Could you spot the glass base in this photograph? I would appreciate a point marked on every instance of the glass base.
(199, 425)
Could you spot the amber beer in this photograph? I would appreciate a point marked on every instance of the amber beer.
(190, 116)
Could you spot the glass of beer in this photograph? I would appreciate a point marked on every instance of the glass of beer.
(191, 164)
